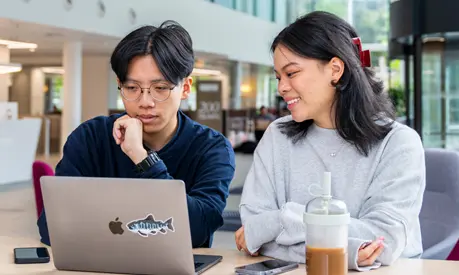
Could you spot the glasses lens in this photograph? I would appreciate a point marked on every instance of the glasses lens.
(161, 91)
(131, 91)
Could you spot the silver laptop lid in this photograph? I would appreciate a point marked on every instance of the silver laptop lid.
(138, 226)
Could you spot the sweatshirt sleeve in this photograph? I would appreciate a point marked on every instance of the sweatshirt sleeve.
(393, 200)
(259, 209)
(390, 209)
(206, 198)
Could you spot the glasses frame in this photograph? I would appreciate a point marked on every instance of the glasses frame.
(149, 92)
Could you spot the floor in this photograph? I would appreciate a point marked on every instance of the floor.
(18, 213)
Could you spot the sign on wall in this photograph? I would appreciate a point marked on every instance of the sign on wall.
(8, 111)
(208, 104)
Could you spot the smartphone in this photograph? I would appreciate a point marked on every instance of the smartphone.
(31, 255)
(270, 267)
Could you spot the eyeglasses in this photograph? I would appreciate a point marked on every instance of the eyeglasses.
(160, 91)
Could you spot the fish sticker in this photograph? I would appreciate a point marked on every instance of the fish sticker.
(150, 226)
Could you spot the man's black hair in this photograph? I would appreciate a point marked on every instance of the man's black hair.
(170, 45)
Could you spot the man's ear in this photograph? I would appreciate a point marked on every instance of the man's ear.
(187, 84)
(119, 83)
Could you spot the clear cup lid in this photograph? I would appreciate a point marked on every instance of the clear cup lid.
(324, 204)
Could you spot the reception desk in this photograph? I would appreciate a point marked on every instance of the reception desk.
(18, 145)
(231, 259)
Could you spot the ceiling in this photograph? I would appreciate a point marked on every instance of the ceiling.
(50, 41)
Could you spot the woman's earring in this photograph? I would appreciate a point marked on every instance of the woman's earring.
(336, 85)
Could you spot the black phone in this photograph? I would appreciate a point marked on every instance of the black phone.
(31, 255)
(270, 267)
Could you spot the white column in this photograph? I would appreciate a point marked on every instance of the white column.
(71, 111)
(4, 78)
(384, 71)
(95, 81)
(37, 95)
(113, 91)
(350, 12)
(236, 77)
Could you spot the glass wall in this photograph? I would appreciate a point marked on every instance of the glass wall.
(432, 126)
(227, 3)
(269, 10)
(440, 93)
(369, 17)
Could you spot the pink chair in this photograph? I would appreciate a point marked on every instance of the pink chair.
(40, 169)
(454, 255)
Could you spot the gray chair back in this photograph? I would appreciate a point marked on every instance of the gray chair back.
(439, 215)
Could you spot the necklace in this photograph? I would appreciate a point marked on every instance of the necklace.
(333, 153)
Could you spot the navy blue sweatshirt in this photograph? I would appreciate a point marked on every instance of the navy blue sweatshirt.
(198, 155)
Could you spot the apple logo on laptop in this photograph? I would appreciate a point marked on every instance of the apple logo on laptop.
(115, 227)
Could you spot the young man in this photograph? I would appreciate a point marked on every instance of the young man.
(153, 138)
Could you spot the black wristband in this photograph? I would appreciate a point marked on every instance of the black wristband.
(148, 162)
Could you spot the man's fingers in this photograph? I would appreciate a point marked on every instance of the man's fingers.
(371, 260)
(120, 124)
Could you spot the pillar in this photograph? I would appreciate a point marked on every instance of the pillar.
(37, 95)
(95, 89)
(113, 91)
(4, 78)
(71, 111)
(236, 82)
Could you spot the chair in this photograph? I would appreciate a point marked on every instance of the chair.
(439, 215)
(454, 255)
(40, 169)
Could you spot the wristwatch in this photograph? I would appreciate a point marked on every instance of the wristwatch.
(148, 162)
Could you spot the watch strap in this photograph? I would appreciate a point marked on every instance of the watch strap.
(151, 159)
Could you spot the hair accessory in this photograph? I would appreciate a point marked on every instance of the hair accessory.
(365, 57)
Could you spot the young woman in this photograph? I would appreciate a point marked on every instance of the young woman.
(341, 122)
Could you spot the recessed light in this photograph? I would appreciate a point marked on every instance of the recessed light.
(17, 44)
(68, 4)
(101, 8)
(53, 70)
(132, 16)
(6, 68)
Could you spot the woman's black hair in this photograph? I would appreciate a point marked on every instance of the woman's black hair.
(363, 111)
(170, 45)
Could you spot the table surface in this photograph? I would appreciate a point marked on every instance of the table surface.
(231, 259)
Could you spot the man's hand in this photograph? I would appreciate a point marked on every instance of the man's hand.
(369, 252)
(240, 242)
(128, 133)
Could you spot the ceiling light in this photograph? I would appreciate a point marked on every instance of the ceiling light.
(53, 70)
(10, 68)
(17, 45)
(245, 88)
(433, 39)
(197, 71)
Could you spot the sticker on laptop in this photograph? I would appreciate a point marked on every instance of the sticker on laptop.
(150, 226)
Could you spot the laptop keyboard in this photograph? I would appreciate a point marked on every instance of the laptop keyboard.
(197, 265)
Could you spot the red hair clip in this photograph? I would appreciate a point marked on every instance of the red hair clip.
(365, 57)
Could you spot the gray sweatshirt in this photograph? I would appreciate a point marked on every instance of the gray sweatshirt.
(383, 192)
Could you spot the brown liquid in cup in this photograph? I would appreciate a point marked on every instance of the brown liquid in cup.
(326, 261)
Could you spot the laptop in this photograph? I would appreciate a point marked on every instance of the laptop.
(115, 225)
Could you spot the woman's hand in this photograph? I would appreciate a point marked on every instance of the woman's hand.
(240, 242)
(369, 252)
